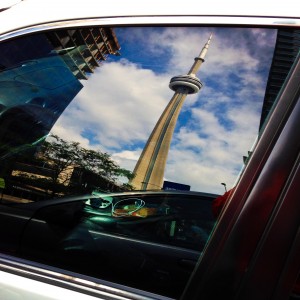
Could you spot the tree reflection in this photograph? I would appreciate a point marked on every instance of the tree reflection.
(60, 168)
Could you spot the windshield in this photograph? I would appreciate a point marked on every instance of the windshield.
(131, 108)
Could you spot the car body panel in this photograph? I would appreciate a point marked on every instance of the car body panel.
(29, 289)
(19, 19)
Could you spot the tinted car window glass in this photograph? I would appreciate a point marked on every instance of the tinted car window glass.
(92, 120)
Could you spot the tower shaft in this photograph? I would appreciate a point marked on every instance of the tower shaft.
(150, 168)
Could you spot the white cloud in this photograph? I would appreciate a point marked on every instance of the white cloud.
(119, 104)
(210, 154)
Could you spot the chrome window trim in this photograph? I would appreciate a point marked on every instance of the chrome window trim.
(156, 20)
(73, 281)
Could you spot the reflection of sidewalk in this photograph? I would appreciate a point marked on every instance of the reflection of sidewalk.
(9, 198)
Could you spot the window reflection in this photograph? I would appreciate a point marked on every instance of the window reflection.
(104, 89)
(145, 240)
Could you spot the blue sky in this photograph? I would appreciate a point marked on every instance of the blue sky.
(121, 102)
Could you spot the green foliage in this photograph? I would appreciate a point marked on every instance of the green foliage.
(62, 157)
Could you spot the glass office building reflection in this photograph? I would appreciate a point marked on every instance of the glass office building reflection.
(29, 96)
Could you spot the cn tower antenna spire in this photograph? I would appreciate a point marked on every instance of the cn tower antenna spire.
(200, 58)
(150, 168)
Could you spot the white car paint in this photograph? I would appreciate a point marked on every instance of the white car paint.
(4, 4)
(13, 287)
(33, 12)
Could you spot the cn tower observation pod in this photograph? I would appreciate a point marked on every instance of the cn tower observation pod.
(187, 84)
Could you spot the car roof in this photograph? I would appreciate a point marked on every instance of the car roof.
(18, 15)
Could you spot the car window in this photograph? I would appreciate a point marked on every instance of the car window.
(116, 143)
